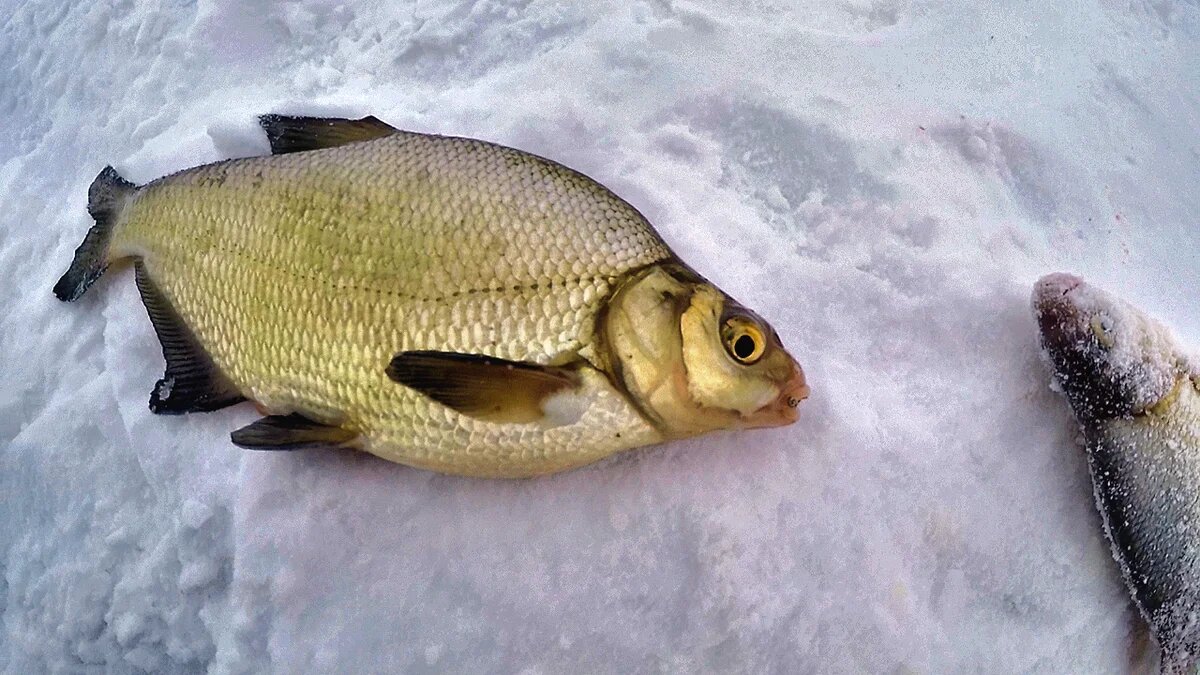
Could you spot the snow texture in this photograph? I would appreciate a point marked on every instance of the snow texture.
(883, 180)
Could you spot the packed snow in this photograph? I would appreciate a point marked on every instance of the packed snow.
(883, 180)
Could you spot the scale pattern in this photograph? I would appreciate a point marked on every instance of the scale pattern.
(304, 274)
(1146, 473)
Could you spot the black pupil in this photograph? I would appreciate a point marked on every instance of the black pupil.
(743, 347)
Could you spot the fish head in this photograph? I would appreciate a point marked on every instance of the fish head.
(1110, 359)
(735, 362)
(694, 360)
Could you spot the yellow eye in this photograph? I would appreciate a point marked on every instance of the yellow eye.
(744, 340)
(1101, 330)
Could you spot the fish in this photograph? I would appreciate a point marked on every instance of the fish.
(1135, 392)
(441, 302)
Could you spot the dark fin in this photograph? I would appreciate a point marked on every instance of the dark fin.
(297, 134)
(482, 387)
(192, 382)
(289, 432)
(106, 199)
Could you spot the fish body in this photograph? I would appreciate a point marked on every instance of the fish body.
(442, 302)
(1136, 394)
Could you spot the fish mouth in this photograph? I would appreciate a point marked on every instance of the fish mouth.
(1057, 284)
(1059, 318)
(784, 410)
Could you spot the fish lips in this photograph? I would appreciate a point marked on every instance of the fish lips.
(784, 410)
(1061, 322)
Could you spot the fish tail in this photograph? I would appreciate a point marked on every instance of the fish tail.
(107, 198)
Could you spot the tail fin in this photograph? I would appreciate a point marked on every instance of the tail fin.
(106, 199)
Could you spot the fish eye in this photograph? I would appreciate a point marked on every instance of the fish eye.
(744, 339)
(1102, 329)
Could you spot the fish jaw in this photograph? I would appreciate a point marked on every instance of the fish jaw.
(1110, 359)
(785, 408)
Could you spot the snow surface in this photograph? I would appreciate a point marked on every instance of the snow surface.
(883, 180)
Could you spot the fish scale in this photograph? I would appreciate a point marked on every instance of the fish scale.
(1136, 397)
(1147, 482)
(440, 302)
(261, 253)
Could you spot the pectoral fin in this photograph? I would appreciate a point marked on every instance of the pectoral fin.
(297, 134)
(483, 387)
(289, 432)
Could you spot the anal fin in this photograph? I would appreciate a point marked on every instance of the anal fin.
(192, 382)
(289, 432)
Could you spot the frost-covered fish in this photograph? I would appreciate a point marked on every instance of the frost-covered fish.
(442, 302)
(1137, 396)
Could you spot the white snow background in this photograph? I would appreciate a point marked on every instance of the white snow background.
(883, 180)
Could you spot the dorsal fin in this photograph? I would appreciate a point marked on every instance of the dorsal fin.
(483, 387)
(298, 134)
(192, 382)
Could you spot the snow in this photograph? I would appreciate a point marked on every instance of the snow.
(883, 180)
